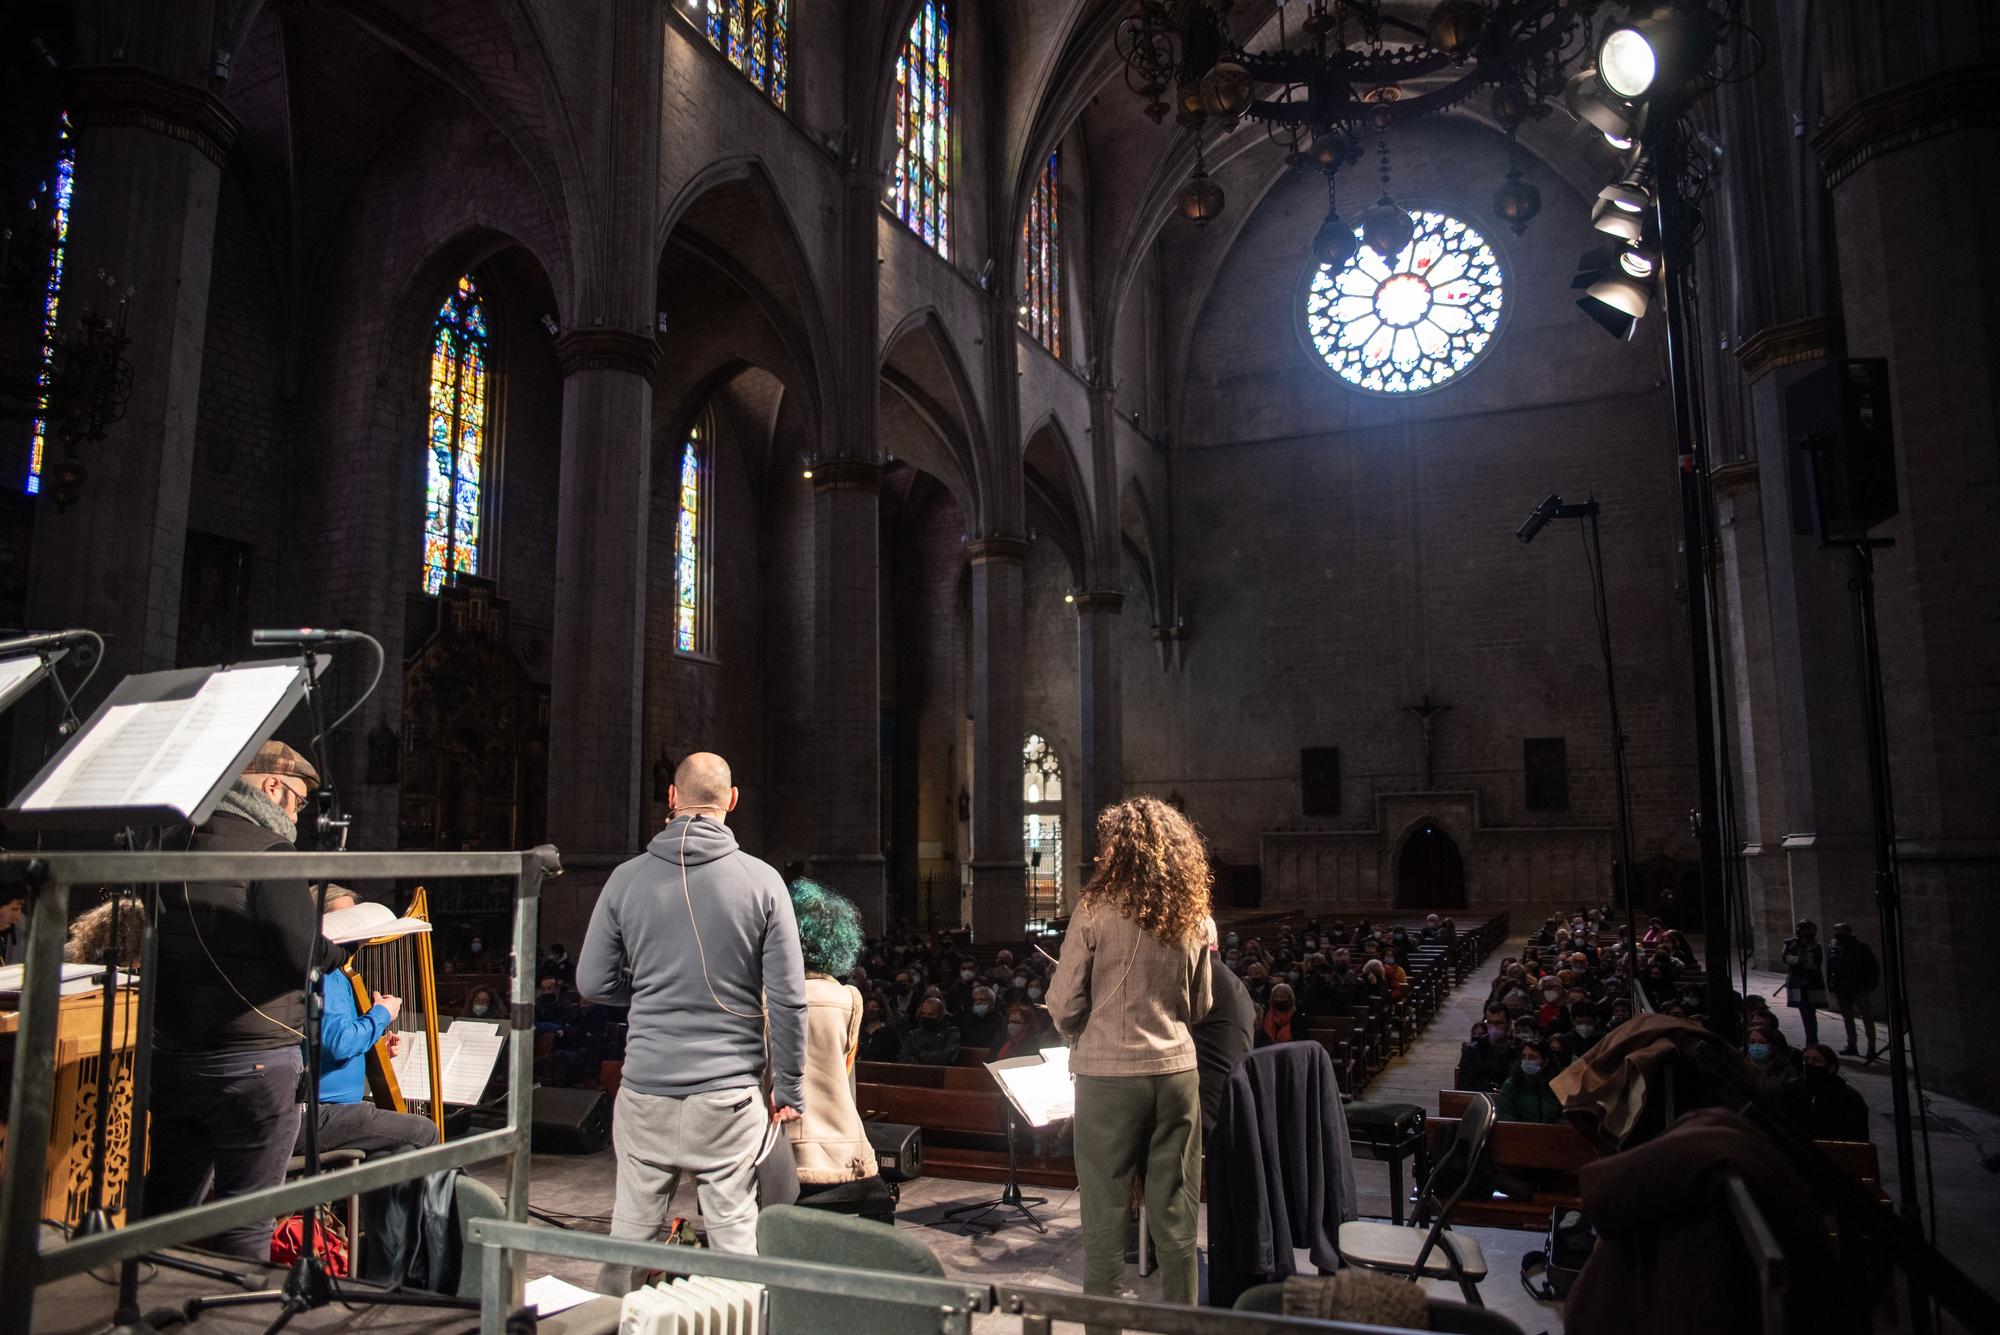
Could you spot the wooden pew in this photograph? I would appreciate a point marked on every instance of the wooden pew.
(965, 1125)
(1549, 1158)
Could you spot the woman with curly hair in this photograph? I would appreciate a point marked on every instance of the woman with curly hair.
(836, 1161)
(1133, 978)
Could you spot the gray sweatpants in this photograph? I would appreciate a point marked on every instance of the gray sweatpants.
(713, 1136)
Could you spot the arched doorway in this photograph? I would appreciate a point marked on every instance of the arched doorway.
(1430, 874)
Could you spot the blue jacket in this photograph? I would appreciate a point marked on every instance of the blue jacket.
(345, 1035)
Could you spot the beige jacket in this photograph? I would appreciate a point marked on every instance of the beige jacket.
(1123, 1000)
(829, 1141)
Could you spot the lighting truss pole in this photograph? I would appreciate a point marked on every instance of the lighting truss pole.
(1724, 1011)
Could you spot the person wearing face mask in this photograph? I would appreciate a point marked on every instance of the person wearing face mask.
(1486, 1060)
(1025, 1034)
(984, 1023)
(1825, 1106)
(1280, 1017)
(1583, 1027)
(1772, 1066)
(881, 1041)
(1805, 976)
(1525, 1095)
(958, 996)
(480, 1005)
(1551, 1009)
(933, 1040)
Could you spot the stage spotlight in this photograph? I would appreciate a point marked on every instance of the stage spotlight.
(1622, 292)
(1627, 62)
(1613, 221)
(1629, 194)
(1639, 262)
(1612, 320)
(1589, 100)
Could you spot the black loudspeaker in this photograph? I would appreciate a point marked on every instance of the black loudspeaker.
(899, 1150)
(571, 1121)
(1319, 780)
(1839, 417)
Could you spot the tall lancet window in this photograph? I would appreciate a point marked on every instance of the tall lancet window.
(690, 570)
(752, 34)
(1041, 290)
(921, 191)
(461, 380)
(1041, 829)
(51, 204)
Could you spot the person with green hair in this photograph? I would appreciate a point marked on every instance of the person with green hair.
(835, 1159)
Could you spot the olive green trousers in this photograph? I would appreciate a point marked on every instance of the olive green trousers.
(1145, 1126)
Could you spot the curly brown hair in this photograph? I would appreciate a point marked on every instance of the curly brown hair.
(1151, 867)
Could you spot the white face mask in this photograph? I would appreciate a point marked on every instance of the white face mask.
(1034, 994)
(1020, 980)
(480, 1008)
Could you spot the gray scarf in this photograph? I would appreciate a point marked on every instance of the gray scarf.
(251, 804)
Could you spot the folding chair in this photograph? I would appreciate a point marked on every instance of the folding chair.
(1433, 1251)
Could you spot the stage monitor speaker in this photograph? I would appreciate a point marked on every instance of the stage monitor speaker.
(571, 1121)
(899, 1150)
(1838, 416)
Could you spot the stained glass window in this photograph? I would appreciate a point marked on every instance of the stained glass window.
(1041, 829)
(461, 357)
(51, 203)
(753, 34)
(687, 549)
(921, 191)
(1414, 323)
(1041, 292)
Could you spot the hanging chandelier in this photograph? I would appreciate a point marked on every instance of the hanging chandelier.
(1341, 71)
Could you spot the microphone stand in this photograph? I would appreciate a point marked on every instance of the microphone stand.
(1593, 550)
(307, 1286)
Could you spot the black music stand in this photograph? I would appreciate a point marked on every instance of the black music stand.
(158, 753)
(1010, 1197)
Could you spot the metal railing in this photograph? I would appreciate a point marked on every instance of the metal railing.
(50, 877)
(951, 1302)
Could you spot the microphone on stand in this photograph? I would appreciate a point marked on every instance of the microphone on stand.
(303, 635)
(52, 639)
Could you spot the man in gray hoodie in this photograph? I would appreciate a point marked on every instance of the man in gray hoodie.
(698, 938)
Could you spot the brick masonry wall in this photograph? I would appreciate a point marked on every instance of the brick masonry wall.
(1341, 555)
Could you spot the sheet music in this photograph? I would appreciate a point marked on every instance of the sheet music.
(368, 921)
(15, 673)
(466, 1053)
(166, 752)
(1040, 1088)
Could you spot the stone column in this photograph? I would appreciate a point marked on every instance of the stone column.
(597, 677)
(847, 693)
(1896, 164)
(1103, 762)
(999, 883)
(149, 154)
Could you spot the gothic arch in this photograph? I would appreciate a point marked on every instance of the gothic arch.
(924, 375)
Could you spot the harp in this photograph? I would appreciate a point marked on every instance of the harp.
(401, 966)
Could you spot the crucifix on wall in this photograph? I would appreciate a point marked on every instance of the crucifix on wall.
(1426, 713)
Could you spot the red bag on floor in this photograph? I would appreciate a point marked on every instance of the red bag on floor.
(288, 1241)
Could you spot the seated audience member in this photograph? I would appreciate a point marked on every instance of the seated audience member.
(1431, 930)
(1583, 1027)
(934, 1039)
(1277, 1026)
(982, 1025)
(958, 999)
(1678, 947)
(1486, 1060)
(1656, 932)
(482, 1004)
(1552, 1006)
(1026, 1034)
(1558, 1051)
(558, 965)
(880, 1040)
(1773, 1066)
(1257, 981)
(1825, 1106)
(553, 1013)
(1525, 1095)
(835, 1159)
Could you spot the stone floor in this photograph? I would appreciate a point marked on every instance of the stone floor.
(578, 1190)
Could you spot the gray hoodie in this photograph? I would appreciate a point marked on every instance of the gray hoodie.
(683, 961)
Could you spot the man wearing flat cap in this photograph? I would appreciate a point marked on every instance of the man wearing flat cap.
(231, 1010)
